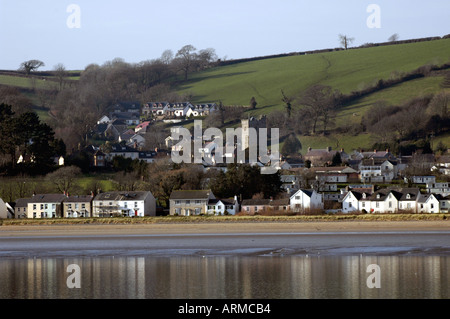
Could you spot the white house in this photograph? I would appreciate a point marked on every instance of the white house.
(444, 204)
(228, 206)
(356, 201)
(384, 172)
(45, 206)
(104, 120)
(123, 150)
(438, 188)
(21, 207)
(306, 199)
(3, 209)
(428, 203)
(423, 179)
(130, 204)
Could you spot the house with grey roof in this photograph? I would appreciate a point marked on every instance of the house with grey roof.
(224, 206)
(21, 207)
(305, 200)
(124, 203)
(45, 206)
(75, 206)
(262, 205)
(190, 202)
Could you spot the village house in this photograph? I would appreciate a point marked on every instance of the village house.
(375, 171)
(429, 203)
(21, 207)
(422, 179)
(123, 203)
(438, 188)
(77, 206)
(442, 165)
(45, 206)
(261, 205)
(444, 204)
(122, 150)
(224, 206)
(305, 200)
(4, 212)
(190, 202)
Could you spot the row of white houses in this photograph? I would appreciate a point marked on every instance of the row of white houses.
(393, 201)
(106, 204)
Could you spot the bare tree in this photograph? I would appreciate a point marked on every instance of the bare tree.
(167, 57)
(60, 72)
(318, 102)
(394, 37)
(345, 41)
(30, 66)
(64, 178)
(186, 57)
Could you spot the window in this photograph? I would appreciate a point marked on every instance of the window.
(135, 204)
(198, 202)
(247, 209)
(177, 202)
(432, 206)
(76, 206)
(363, 204)
(53, 206)
(377, 205)
(297, 197)
(421, 205)
(350, 205)
(83, 206)
(390, 204)
(188, 202)
(69, 206)
(256, 208)
(110, 203)
(125, 205)
(42, 206)
(46, 206)
(408, 205)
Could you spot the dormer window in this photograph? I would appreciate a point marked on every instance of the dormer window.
(364, 195)
(378, 195)
(408, 196)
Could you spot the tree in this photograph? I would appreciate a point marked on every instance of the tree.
(288, 102)
(60, 72)
(336, 160)
(186, 57)
(393, 37)
(318, 104)
(253, 103)
(30, 66)
(64, 178)
(291, 145)
(345, 41)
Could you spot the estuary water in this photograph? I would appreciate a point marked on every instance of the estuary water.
(351, 265)
(217, 277)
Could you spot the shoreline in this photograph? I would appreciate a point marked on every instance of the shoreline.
(223, 227)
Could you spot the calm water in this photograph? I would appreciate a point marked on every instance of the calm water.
(226, 277)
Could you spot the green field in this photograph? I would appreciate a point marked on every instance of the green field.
(346, 71)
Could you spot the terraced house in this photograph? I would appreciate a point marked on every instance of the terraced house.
(190, 202)
(130, 204)
(45, 206)
(392, 201)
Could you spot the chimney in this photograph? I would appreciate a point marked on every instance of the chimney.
(387, 150)
(329, 149)
(309, 149)
(374, 151)
(92, 194)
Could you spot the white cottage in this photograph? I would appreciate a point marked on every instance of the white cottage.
(306, 200)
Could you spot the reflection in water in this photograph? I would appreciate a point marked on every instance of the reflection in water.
(226, 277)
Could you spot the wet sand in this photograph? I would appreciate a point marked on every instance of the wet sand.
(223, 228)
(228, 239)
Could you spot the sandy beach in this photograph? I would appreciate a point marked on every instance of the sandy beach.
(223, 228)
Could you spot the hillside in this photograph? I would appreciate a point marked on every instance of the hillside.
(346, 71)
(236, 82)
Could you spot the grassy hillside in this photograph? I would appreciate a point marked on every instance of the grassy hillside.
(347, 71)
(343, 70)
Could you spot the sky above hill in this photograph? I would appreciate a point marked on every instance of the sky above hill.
(80, 32)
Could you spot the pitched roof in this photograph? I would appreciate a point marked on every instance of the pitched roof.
(78, 199)
(256, 202)
(22, 202)
(191, 194)
(122, 195)
(47, 198)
